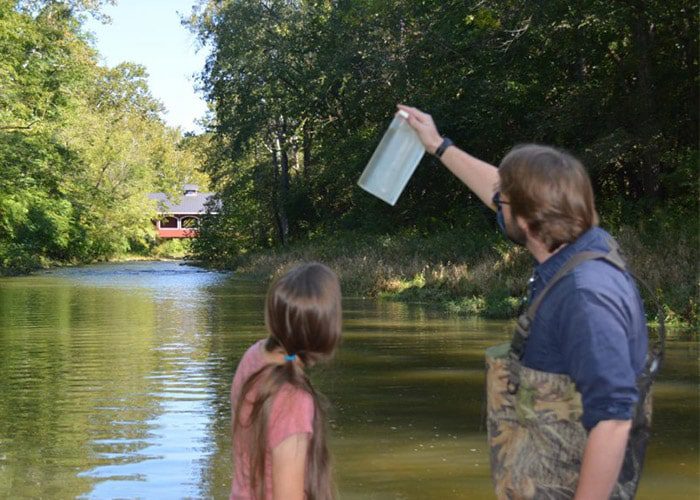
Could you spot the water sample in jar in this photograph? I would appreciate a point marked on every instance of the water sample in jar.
(393, 162)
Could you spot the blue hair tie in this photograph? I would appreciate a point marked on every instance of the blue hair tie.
(290, 357)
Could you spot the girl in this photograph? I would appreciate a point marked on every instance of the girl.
(278, 418)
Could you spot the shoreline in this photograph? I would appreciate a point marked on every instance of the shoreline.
(484, 281)
(45, 266)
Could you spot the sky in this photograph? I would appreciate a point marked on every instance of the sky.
(149, 32)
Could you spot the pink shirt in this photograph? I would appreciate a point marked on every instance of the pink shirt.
(292, 412)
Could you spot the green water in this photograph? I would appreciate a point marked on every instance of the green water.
(114, 383)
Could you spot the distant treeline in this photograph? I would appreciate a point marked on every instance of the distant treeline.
(80, 144)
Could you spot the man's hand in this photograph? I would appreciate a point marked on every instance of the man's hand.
(424, 126)
(602, 459)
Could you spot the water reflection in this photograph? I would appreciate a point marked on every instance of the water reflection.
(115, 382)
(107, 382)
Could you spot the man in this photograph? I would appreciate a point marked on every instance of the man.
(591, 327)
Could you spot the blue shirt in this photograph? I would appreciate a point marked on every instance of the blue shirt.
(591, 326)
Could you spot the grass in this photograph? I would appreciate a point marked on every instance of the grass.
(473, 274)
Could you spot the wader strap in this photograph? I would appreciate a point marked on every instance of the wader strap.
(522, 327)
(656, 353)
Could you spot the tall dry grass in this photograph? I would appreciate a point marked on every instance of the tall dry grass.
(479, 281)
(485, 277)
(670, 267)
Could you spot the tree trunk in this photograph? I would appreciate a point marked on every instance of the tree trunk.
(306, 150)
(646, 128)
(280, 189)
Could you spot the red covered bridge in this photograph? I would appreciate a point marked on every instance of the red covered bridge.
(181, 220)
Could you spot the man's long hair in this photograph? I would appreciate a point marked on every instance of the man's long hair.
(303, 316)
(550, 190)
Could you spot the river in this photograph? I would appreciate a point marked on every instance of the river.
(115, 379)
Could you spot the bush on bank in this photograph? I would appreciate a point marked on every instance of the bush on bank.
(474, 271)
(16, 260)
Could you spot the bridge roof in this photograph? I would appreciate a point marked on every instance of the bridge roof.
(190, 204)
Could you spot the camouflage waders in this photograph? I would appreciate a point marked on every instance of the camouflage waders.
(534, 417)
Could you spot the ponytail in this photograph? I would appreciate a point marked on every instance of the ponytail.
(319, 480)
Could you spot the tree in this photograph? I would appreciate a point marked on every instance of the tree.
(302, 91)
(80, 145)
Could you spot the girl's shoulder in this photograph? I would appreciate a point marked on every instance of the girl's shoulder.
(256, 351)
(252, 360)
(292, 412)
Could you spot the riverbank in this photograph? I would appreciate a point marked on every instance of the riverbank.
(471, 274)
(166, 250)
(44, 264)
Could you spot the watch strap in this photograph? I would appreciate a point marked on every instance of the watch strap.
(446, 143)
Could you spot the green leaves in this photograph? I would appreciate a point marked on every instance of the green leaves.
(81, 145)
(302, 92)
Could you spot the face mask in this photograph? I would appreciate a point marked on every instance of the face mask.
(518, 237)
(501, 221)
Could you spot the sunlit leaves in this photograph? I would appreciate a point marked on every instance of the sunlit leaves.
(80, 145)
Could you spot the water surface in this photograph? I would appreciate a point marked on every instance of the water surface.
(115, 378)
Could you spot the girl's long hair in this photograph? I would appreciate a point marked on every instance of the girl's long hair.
(303, 317)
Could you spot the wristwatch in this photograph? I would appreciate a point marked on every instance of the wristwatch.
(446, 143)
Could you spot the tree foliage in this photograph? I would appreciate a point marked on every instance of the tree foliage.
(303, 89)
(80, 145)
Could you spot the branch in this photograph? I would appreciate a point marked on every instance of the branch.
(516, 33)
(20, 127)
